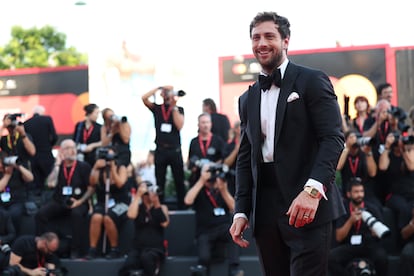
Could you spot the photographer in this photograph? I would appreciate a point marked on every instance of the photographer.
(168, 121)
(214, 206)
(87, 134)
(7, 236)
(150, 219)
(356, 239)
(70, 181)
(357, 160)
(116, 133)
(14, 177)
(110, 211)
(34, 255)
(205, 147)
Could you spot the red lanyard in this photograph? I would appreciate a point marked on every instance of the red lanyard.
(65, 172)
(203, 147)
(353, 165)
(166, 113)
(87, 133)
(212, 199)
(382, 134)
(359, 222)
(40, 260)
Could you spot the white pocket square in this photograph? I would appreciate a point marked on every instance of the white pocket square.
(293, 96)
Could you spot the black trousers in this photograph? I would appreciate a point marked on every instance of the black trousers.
(148, 259)
(283, 249)
(78, 217)
(172, 157)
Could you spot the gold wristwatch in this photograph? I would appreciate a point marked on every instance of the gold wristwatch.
(313, 192)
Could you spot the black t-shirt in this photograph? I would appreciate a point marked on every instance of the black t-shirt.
(401, 180)
(16, 188)
(166, 134)
(355, 166)
(360, 228)
(148, 231)
(117, 194)
(204, 205)
(88, 136)
(25, 247)
(13, 145)
(220, 125)
(78, 178)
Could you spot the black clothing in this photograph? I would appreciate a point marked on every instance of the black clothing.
(368, 247)
(148, 249)
(168, 151)
(44, 136)
(13, 145)
(220, 125)
(85, 136)
(122, 150)
(7, 230)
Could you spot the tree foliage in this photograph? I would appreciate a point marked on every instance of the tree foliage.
(35, 47)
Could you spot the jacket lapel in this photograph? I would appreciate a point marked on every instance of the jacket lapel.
(287, 87)
(253, 110)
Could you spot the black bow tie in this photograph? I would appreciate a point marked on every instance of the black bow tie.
(266, 81)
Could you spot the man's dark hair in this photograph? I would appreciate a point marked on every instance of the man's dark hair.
(353, 182)
(381, 87)
(211, 104)
(89, 108)
(282, 22)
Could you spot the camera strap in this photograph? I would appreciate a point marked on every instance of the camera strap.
(353, 165)
(204, 146)
(359, 222)
(166, 113)
(68, 176)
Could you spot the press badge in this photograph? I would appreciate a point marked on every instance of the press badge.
(111, 203)
(5, 197)
(356, 239)
(211, 151)
(67, 190)
(219, 212)
(166, 128)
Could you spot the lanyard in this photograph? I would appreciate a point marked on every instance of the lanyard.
(12, 140)
(203, 147)
(210, 196)
(353, 165)
(40, 260)
(65, 173)
(359, 222)
(87, 133)
(166, 113)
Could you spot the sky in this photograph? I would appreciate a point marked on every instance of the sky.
(188, 37)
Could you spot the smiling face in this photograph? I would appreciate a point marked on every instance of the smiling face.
(268, 46)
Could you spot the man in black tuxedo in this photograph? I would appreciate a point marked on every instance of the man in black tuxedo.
(291, 140)
(43, 132)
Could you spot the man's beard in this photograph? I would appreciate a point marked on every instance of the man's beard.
(357, 201)
(273, 63)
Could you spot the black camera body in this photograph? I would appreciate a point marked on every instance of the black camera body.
(219, 170)
(13, 117)
(361, 267)
(408, 140)
(104, 153)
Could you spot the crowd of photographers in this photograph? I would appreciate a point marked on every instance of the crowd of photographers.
(375, 171)
(92, 181)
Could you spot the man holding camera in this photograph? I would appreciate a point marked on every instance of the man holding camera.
(214, 206)
(70, 181)
(15, 170)
(356, 238)
(206, 147)
(150, 219)
(34, 255)
(169, 120)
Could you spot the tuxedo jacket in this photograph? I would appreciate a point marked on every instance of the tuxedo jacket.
(307, 144)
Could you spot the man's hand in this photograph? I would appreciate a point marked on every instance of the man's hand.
(302, 210)
(236, 231)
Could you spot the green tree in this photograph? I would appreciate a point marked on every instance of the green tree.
(35, 47)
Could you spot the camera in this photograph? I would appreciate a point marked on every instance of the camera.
(366, 141)
(116, 118)
(218, 170)
(179, 93)
(361, 267)
(195, 161)
(68, 202)
(11, 160)
(153, 188)
(408, 140)
(103, 153)
(5, 248)
(13, 117)
(379, 228)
